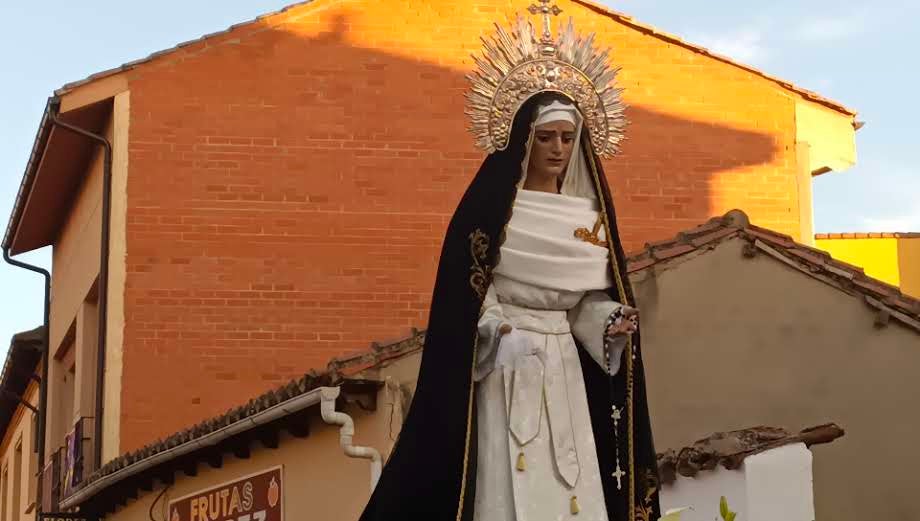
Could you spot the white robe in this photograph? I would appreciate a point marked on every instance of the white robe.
(547, 286)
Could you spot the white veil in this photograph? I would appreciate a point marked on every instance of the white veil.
(577, 182)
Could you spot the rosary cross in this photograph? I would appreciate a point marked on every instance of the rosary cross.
(546, 10)
(618, 474)
(616, 416)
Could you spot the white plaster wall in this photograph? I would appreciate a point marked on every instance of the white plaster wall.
(779, 484)
(702, 494)
(770, 486)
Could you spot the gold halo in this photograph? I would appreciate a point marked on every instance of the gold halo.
(515, 66)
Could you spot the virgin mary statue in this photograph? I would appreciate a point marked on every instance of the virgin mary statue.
(530, 403)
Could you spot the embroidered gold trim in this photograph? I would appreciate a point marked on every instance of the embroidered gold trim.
(592, 234)
(646, 511)
(479, 280)
(469, 428)
(480, 271)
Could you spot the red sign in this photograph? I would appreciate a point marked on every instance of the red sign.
(252, 498)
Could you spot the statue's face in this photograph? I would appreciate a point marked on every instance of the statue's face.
(552, 147)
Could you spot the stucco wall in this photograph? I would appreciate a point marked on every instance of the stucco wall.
(75, 255)
(731, 342)
(19, 431)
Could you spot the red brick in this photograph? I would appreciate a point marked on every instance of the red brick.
(299, 204)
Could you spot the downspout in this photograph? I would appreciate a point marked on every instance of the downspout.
(347, 432)
(43, 384)
(103, 284)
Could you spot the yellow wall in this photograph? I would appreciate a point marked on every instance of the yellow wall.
(909, 265)
(890, 259)
(19, 434)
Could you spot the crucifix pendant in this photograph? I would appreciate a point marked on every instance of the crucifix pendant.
(618, 474)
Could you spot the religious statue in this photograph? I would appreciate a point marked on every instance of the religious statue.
(531, 403)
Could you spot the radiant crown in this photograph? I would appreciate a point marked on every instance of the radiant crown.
(516, 65)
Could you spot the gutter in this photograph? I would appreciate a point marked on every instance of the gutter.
(273, 413)
(43, 383)
(347, 432)
(52, 106)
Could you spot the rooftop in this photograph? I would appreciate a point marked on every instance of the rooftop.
(888, 301)
(21, 360)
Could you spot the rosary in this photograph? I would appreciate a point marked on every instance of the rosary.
(614, 318)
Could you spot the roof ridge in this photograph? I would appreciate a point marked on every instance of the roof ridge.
(813, 261)
(807, 94)
(64, 89)
(615, 15)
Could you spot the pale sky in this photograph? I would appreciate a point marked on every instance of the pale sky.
(855, 53)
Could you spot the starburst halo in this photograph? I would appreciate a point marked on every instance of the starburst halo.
(514, 65)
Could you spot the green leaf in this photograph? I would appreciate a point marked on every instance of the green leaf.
(723, 508)
(731, 516)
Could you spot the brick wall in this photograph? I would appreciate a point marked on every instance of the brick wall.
(290, 182)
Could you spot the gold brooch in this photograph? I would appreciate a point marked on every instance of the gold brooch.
(591, 235)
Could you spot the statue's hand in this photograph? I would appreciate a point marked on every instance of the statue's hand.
(627, 324)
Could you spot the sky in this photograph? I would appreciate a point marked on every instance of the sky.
(855, 53)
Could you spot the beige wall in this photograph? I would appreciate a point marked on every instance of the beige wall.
(74, 303)
(19, 436)
(830, 135)
(732, 342)
(75, 255)
(320, 482)
(75, 258)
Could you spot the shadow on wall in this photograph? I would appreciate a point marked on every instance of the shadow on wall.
(288, 198)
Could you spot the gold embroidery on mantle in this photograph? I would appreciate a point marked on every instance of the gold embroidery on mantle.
(645, 511)
(591, 235)
(480, 271)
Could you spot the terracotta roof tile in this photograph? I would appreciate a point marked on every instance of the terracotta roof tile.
(702, 240)
(847, 277)
(672, 250)
(816, 261)
(729, 449)
(771, 237)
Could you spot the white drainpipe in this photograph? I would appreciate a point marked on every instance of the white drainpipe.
(347, 431)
